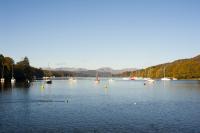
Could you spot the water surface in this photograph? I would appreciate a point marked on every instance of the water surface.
(118, 106)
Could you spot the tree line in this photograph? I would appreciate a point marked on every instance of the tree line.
(180, 69)
(22, 70)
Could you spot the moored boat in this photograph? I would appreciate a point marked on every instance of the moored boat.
(97, 78)
(150, 80)
(125, 78)
(12, 79)
(165, 78)
(2, 74)
(137, 78)
(49, 81)
(2, 80)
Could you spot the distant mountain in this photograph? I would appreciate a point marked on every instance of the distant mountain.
(114, 71)
(70, 69)
(104, 71)
(181, 69)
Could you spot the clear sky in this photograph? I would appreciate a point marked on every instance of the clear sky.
(98, 33)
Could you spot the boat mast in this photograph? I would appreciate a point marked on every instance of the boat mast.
(97, 76)
(164, 72)
(12, 72)
(145, 73)
(149, 73)
(2, 72)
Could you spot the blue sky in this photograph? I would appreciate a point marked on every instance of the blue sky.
(98, 33)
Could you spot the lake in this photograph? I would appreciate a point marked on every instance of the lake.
(83, 106)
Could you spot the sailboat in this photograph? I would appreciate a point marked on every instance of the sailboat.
(97, 78)
(125, 78)
(2, 74)
(48, 79)
(12, 79)
(165, 78)
(110, 79)
(137, 76)
(72, 78)
(150, 80)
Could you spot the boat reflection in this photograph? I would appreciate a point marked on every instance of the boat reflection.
(7, 86)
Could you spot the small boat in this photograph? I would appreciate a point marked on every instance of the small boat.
(2, 74)
(150, 80)
(137, 78)
(12, 79)
(72, 79)
(2, 80)
(97, 78)
(125, 78)
(165, 78)
(49, 81)
(110, 79)
(174, 79)
(133, 78)
(146, 79)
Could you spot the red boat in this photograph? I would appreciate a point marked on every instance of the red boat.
(133, 78)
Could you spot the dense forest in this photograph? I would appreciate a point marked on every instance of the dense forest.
(22, 70)
(180, 69)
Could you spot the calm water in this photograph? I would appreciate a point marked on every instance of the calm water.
(83, 106)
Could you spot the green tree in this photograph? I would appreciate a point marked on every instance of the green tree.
(24, 70)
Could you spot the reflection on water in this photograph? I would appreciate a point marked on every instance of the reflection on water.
(18, 85)
(117, 106)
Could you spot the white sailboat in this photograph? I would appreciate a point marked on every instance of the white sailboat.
(48, 79)
(125, 78)
(110, 79)
(150, 80)
(2, 80)
(97, 77)
(165, 78)
(12, 79)
(2, 74)
(72, 78)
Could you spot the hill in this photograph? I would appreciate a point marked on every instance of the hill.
(180, 69)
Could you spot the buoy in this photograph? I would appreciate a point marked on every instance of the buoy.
(42, 86)
(106, 86)
(66, 101)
